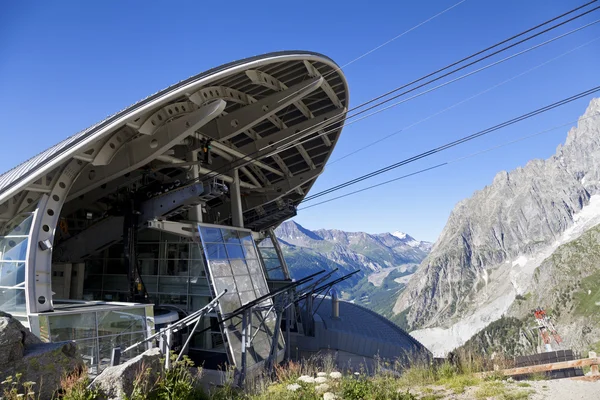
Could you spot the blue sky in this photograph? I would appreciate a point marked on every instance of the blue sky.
(66, 65)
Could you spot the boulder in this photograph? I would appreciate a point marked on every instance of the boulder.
(23, 353)
(118, 382)
(13, 339)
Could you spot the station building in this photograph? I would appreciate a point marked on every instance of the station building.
(146, 216)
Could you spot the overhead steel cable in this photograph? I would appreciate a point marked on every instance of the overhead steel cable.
(252, 157)
(346, 123)
(461, 102)
(454, 143)
(382, 45)
(447, 162)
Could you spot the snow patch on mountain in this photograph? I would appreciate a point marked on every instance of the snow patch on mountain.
(504, 285)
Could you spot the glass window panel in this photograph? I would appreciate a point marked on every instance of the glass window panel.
(245, 236)
(262, 347)
(253, 267)
(276, 274)
(151, 282)
(243, 283)
(197, 263)
(178, 250)
(211, 234)
(260, 287)
(116, 283)
(148, 250)
(230, 236)
(94, 266)
(176, 299)
(116, 267)
(93, 282)
(200, 287)
(12, 300)
(224, 283)
(249, 250)
(12, 274)
(72, 326)
(220, 268)
(115, 251)
(235, 324)
(229, 302)
(215, 251)
(106, 344)
(235, 251)
(247, 297)
(44, 328)
(117, 322)
(197, 268)
(239, 267)
(172, 284)
(148, 266)
(174, 267)
(19, 225)
(88, 350)
(13, 248)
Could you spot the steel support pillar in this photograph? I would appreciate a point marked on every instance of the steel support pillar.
(246, 337)
(194, 213)
(237, 217)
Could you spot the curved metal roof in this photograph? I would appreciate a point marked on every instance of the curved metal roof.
(241, 84)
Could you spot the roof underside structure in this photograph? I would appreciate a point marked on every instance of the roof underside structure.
(265, 116)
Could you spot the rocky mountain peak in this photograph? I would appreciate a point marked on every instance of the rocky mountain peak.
(519, 213)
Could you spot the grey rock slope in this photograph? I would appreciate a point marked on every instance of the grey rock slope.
(521, 212)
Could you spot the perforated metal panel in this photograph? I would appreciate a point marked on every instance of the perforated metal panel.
(233, 264)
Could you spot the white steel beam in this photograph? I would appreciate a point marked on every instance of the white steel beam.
(246, 117)
(312, 71)
(144, 149)
(264, 79)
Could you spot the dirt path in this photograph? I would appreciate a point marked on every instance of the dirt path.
(565, 389)
(558, 389)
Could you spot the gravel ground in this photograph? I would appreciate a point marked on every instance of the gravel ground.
(565, 389)
(558, 389)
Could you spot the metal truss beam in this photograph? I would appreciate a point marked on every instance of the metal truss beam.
(246, 117)
(177, 228)
(146, 148)
(287, 137)
(312, 71)
(264, 79)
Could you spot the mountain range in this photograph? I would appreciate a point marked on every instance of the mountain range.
(527, 240)
(385, 261)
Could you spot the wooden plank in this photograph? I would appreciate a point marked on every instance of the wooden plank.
(547, 367)
(588, 378)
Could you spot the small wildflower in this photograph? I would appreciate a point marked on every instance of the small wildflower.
(329, 396)
(293, 387)
(335, 375)
(320, 379)
(321, 373)
(306, 379)
(323, 387)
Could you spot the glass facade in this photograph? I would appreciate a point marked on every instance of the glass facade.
(273, 266)
(172, 270)
(14, 240)
(234, 264)
(97, 332)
